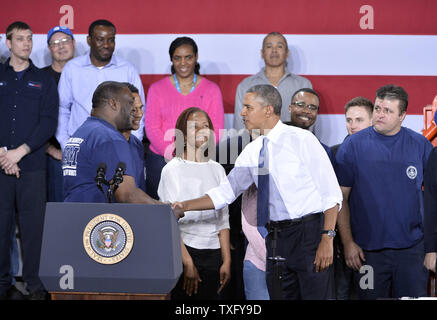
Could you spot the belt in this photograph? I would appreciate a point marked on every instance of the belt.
(291, 222)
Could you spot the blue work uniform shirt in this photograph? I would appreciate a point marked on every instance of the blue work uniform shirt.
(95, 141)
(29, 108)
(385, 174)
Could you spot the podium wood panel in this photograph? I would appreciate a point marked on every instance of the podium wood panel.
(106, 296)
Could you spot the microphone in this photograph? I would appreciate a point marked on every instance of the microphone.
(118, 176)
(101, 172)
(119, 172)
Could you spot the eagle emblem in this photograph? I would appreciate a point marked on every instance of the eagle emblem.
(107, 238)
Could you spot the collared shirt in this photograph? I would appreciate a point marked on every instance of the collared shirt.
(287, 86)
(302, 180)
(29, 112)
(79, 80)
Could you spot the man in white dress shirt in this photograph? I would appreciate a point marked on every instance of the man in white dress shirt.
(304, 196)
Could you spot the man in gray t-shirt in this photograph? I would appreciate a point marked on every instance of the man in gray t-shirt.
(274, 53)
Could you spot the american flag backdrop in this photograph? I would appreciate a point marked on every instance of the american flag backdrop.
(346, 48)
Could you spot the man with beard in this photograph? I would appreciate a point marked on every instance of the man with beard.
(81, 76)
(100, 140)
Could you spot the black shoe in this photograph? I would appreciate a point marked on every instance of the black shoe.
(38, 295)
(14, 294)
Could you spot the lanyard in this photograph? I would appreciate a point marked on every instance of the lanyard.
(178, 87)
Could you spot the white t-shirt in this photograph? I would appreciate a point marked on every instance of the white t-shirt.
(184, 180)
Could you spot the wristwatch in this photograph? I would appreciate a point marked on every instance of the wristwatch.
(330, 233)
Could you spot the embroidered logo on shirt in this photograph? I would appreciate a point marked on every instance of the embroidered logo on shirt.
(33, 84)
(411, 172)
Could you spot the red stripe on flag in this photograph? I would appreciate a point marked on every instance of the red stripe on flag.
(241, 16)
(335, 91)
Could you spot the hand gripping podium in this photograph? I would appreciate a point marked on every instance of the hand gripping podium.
(110, 251)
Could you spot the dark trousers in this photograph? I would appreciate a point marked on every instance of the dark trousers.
(298, 244)
(208, 263)
(154, 164)
(394, 273)
(55, 186)
(27, 196)
(344, 276)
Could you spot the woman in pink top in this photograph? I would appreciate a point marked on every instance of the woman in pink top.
(168, 97)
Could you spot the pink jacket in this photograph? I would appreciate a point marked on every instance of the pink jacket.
(165, 104)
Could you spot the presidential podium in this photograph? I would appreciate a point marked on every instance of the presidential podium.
(101, 251)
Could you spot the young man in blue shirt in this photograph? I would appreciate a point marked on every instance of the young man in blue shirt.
(380, 171)
(29, 102)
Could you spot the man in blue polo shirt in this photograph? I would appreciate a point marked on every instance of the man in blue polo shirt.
(99, 140)
(29, 103)
(380, 171)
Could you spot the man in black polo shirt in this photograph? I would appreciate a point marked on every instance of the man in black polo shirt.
(29, 104)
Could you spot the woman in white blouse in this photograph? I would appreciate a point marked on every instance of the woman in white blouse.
(205, 241)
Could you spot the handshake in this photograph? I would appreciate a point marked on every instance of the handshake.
(178, 209)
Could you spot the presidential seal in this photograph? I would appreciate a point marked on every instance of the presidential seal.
(108, 238)
(411, 172)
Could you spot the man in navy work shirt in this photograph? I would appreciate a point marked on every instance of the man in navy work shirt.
(380, 170)
(29, 105)
(99, 140)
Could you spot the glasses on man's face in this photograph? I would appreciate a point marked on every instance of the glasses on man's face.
(60, 42)
(302, 105)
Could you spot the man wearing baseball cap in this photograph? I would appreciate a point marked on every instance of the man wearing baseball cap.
(61, 44)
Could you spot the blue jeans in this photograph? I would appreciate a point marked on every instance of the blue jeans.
(255, 285)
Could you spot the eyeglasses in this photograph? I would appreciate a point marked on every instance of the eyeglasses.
(303, 105)
(58, 43)
(384, 110)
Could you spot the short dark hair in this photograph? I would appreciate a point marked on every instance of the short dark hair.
(308, 90)
(105, 91)
(131, 87)
(270, 96)
(181, 125)
(393, 92)
(100, 22)
(360, 102)
(176, 43)
(17, 25)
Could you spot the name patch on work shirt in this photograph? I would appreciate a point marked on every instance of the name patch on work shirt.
(34, 84)
(69, 161)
